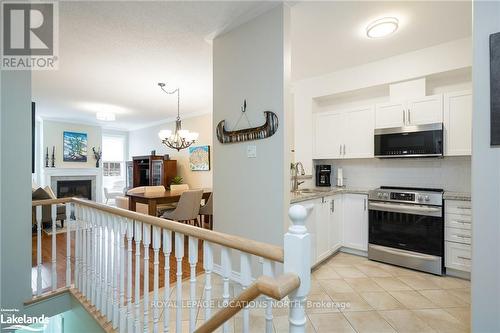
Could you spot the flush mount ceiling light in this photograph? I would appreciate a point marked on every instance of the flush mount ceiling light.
(105, 116)
(382, 27)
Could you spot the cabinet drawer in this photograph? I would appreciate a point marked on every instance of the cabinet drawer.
(458, 221)
(457, 235)
(458, 207)
(458, 256)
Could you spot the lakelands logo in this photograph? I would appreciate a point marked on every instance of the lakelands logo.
(30, 35)
(12, 321)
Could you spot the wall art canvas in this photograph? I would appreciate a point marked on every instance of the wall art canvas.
(74, 147)
(199, 158)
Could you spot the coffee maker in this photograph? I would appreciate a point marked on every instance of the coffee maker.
(323, 173)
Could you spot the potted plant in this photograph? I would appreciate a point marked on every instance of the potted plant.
(97, 155)
(177, 180)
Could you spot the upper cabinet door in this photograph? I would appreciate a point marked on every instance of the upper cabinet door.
(390, 115)
(425, 110)
(328, 128)
(358, 138)
(458, 123)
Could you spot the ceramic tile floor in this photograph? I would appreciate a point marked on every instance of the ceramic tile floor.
(353, 294)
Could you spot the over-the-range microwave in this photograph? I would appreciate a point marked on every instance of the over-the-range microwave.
(409, 141)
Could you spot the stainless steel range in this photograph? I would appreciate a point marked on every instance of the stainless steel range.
(406, 227)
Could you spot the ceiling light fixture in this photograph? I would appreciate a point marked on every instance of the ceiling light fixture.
(382, 27)
(105, 116)
(180, 139)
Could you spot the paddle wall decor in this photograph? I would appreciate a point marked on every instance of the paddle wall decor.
(495, 89)
(248, 134)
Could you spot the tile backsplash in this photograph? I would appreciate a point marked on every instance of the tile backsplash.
(449, 173)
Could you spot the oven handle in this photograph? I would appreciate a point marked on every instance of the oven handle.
(408, 209)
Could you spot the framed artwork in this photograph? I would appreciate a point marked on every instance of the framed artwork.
(495, 89)
(199, 158)
(74, 147)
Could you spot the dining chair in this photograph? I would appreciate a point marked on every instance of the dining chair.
(188, 207)
(206, 211)
(179, 188)
(174, 189)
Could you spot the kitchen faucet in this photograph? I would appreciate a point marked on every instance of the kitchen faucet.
(295, 182)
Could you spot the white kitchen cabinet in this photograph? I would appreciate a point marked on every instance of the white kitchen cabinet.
(355, 226)
(328, 128)
(418, 111)
(389, 115)
(458, 123)
(335, 222)
(322, 230)
(458, 235)
(425, 110)
(344, 134)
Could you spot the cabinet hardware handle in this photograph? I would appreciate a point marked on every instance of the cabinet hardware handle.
(460, 257)
(364, 202)
(461, 221)
(344, 149)
(409, 116)
(463, 236)
(340, 149)
(463, 207)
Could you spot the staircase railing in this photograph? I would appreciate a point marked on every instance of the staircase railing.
(105, 267)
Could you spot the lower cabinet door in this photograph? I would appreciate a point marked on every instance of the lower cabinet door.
(335, 222)
(355, 226)
(322, 230)
(458, 256)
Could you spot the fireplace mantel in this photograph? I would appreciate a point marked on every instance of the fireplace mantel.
(48, 173)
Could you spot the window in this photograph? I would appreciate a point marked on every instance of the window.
(113, 148)
(111, 169)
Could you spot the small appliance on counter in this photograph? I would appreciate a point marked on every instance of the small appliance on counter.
(340, 177)
(323, 173)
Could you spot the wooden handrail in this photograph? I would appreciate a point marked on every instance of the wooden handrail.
(44, 202)
(264, 250)
(276, 288)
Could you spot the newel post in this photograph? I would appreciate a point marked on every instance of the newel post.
(297, 247)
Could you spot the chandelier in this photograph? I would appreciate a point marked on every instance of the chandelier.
(180, 139)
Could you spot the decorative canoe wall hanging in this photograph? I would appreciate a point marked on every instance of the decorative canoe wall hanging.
(248, 134)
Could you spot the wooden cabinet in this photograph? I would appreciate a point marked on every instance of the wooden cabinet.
(344, 134)
(418, 111)
(458, 123)
(153, 170)
(355, 226)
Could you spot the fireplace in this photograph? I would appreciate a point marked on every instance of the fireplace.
(74, 188)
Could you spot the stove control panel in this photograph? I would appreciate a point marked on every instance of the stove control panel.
(407, 196)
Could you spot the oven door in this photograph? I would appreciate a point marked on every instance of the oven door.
(408, 227)
(410, 141)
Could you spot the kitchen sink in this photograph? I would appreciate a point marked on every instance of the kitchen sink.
(309, 191)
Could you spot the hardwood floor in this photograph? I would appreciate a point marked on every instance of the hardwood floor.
(61, 262)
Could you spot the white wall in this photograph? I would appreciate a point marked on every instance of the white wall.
(143, 141)
(449, 173)
(442, 58)
(53, 136)
(15, 193)
(252, 62)
(485, 181)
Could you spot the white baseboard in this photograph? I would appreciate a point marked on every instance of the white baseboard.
(354, 251)
(457, 273)
(235, 276)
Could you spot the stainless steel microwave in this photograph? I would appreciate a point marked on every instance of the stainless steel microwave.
(409, 141)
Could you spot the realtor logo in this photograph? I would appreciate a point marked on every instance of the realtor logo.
(30, 36)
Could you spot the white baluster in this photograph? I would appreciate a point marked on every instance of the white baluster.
(226, 273)
(53, 210)
(246, 280)
(38, 250)
(68, 244)
(77, 247)
(116, 271)
(123, 310)
(130, 235)
(297, 246)
(167, 249)
(208, 266)
(97, 260)
(146, 240)
(109, 263)
(179, 254)
(137, 298)
(89, 254)
(93, 249)
(268, 269)
(193, 260)
(156, 267)
(84, 251)
(104, 282)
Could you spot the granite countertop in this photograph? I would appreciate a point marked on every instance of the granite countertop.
(327, 191)
(450, 195)
(324, 192)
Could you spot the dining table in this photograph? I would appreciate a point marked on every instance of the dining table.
(153, 199)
